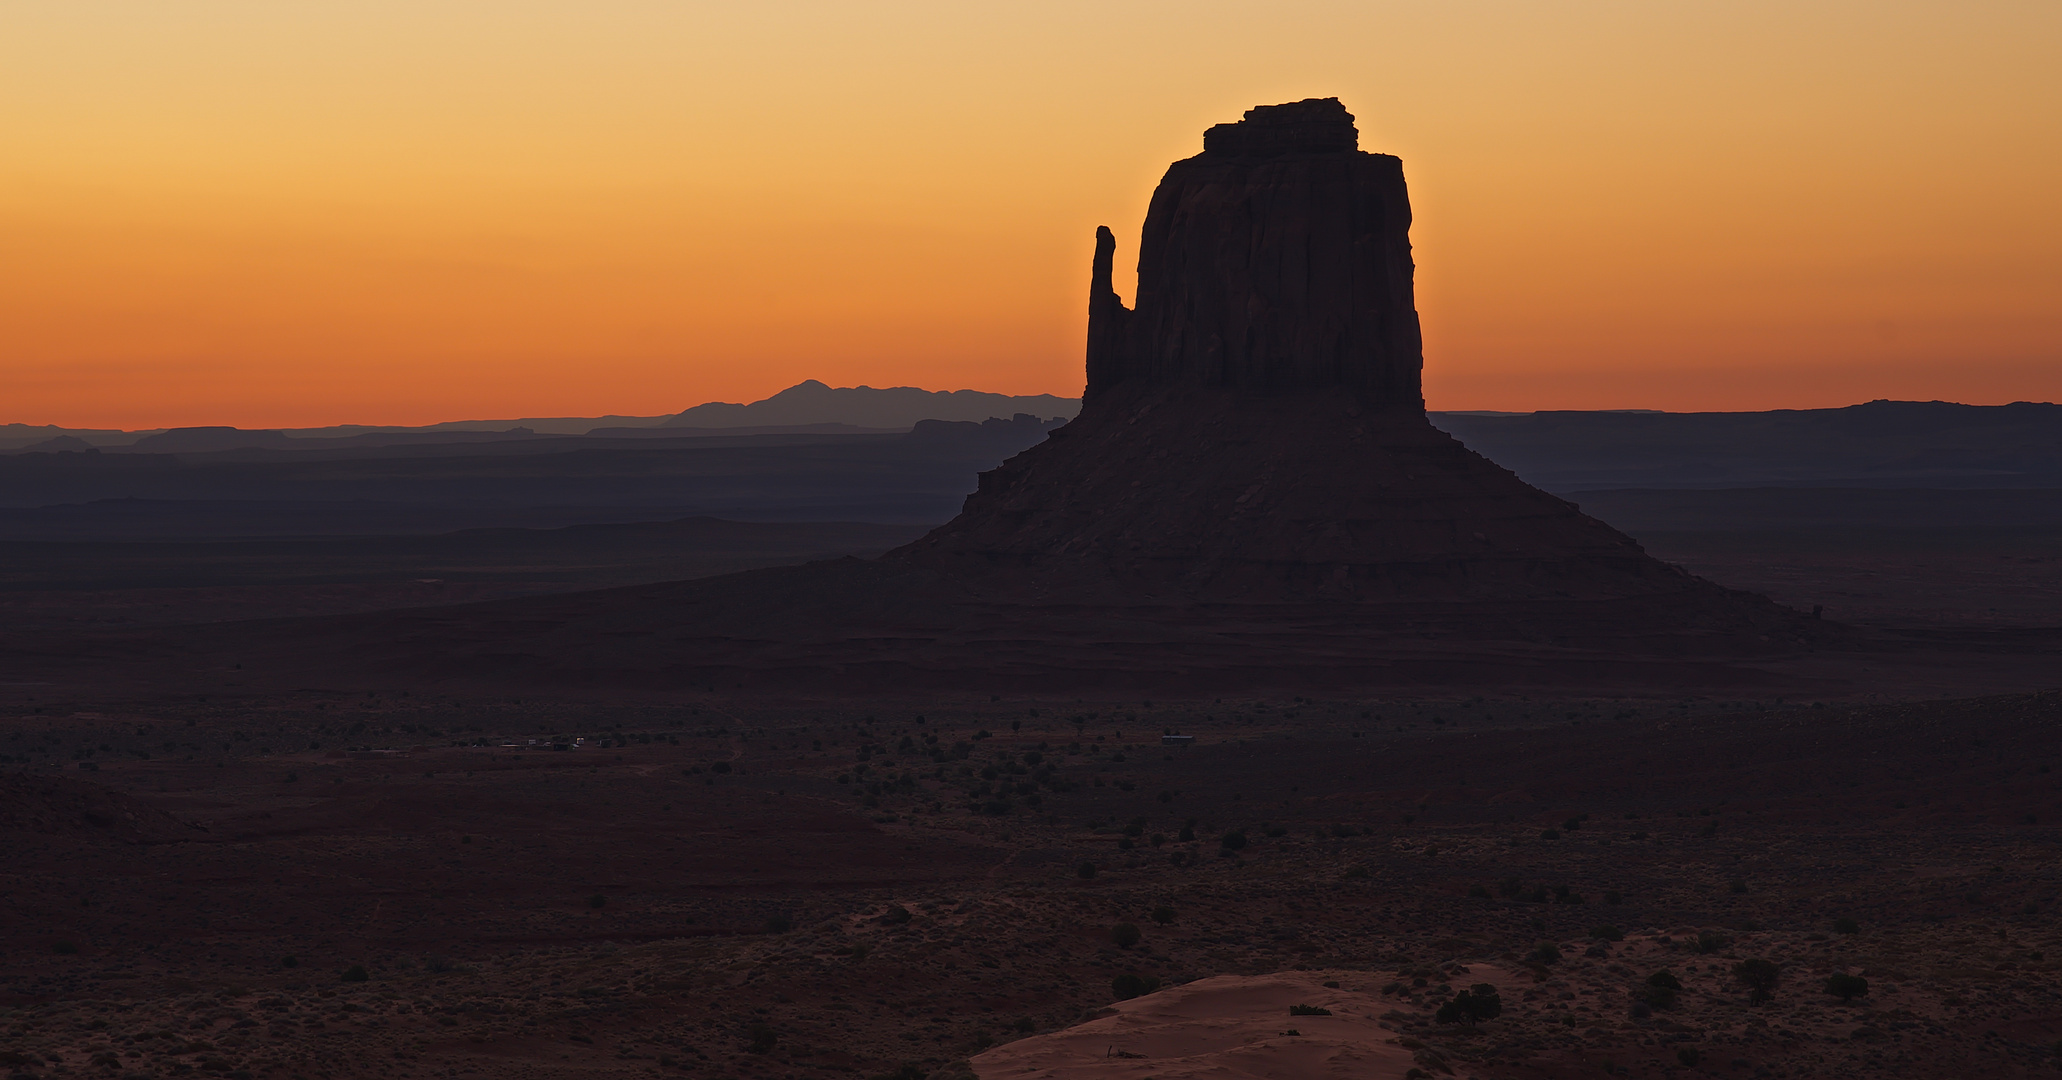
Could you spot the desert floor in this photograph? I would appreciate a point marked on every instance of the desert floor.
(723, 888)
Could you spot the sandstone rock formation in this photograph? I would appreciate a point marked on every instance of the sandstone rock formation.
(1251, 497)
(1254, 431)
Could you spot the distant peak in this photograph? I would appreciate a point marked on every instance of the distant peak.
(1310, 126)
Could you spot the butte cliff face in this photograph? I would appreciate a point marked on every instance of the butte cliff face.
(1277, 259)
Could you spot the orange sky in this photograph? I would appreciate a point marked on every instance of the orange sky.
(272, 214)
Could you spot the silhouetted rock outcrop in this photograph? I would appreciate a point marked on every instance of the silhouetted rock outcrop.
(1254, 430)
(1251, 496)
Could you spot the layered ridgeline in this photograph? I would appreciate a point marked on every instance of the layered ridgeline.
(1251, 496)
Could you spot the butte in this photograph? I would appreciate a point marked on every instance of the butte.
(1252, 497)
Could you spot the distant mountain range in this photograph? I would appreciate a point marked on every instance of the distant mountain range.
(901, 456)
(1880, 443)
(812, 402)
(1908, 444)
(807, 408)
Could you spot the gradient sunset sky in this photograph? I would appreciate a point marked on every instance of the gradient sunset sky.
(290, 214)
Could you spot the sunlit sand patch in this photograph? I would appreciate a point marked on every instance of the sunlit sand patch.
(1228, 1027)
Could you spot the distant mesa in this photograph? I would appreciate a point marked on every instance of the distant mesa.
(201, 440)
(899, 407)
(61, 443)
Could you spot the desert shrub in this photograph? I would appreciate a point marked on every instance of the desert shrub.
(1847, 987)
(1738, 885)
(1025, 1025)
(1510, 886)
(1232, 841)
(356, 973)
(907, 1072)
(1662, 989)
(1478, 892)
(597, 901)
(290, 961)
(1163, 915)
(1356, 872)
(1308, 1010)
(1125, 935)
(763, 1039)
(1759, 977)
(1572, 824)
(896, 915)
(1613, 897)
(1470, 1006)
(1607, 932)
(1846, 926)
(1711, 941)
(1085, 870)
(1689, 1056)
(1547, 953)
(1125, 843)
(779, 924)
(1128, 986)
(1550, 834)
(1275, 832)
(720, 767)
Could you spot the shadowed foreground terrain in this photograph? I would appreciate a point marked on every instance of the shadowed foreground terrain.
(72, 586)
(798, 888)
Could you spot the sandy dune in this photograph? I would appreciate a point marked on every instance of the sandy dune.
(1228, 1027)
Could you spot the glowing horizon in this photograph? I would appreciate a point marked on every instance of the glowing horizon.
(385, 213)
